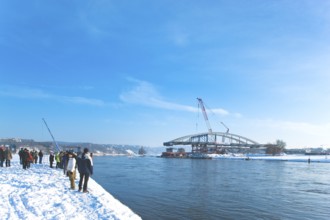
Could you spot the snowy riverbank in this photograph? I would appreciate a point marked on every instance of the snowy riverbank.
(44, 193)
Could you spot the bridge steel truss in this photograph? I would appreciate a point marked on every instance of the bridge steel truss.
(212, 142)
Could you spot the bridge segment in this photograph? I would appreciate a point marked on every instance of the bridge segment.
(200, 142)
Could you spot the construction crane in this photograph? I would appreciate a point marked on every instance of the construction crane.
(200, 102)
(55, 143)
(223, 137)
(225, 127)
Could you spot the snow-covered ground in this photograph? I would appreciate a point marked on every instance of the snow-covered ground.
(44, 193)
(293, 158)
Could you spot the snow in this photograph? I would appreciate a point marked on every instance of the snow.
(42, 192)
(131, 153)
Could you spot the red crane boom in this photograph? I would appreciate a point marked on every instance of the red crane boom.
(200, 101)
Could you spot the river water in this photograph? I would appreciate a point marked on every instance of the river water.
(160, 188)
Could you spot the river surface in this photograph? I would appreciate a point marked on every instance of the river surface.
(160, 188)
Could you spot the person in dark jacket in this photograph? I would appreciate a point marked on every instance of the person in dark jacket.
(27, 159)
(64, 162)
(2, 156)
(85, 168)
(51, 159)
(20, 153)
(40, 156)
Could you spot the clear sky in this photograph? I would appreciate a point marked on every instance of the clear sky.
(129, 72)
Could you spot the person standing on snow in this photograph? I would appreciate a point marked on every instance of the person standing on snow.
(51, 159)
(26, 159)
(58, 159)
(20, 153)
(64, 162)
(40, 156)
(2, 156)
(71, 169)
(34, 154)
(85, 168)
(8, 156)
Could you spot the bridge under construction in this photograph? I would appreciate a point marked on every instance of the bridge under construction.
(212, 142)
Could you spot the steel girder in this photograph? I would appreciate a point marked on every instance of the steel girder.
(214, 138)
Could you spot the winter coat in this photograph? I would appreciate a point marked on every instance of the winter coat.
(34, 154)
(27, 156)
(57, 157)
(2, 154)
(51, 158)
(30, 157)
(85, 164)
(71, 164)
(8, 154)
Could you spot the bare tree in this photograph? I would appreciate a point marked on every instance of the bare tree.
(277, 148)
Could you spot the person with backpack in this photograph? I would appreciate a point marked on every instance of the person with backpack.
(85, 168)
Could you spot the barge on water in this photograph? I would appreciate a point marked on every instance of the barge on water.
(170, 153)
(181, 153)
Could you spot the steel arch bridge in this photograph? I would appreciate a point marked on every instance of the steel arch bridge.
(214, 139)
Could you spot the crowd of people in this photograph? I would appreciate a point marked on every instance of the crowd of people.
(26, 157)
(69, 162)
(66, 160)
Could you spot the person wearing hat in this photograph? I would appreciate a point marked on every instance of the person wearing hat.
(85, 168)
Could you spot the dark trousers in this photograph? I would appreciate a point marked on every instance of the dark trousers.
(85, 177)
(40, 160)
(25, 164)
(7, 163)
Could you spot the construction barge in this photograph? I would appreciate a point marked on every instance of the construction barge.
(182, 154)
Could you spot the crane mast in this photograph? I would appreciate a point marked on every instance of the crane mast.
(57, 147)
(200, 101)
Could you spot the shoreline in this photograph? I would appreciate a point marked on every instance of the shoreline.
(41, 192)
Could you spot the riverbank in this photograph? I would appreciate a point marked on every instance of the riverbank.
(44, 193)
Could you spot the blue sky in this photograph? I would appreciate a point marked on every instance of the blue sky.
(129, 72)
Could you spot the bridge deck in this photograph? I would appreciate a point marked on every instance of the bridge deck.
(215, 139)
